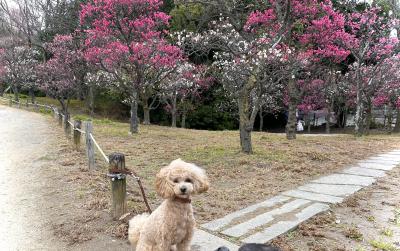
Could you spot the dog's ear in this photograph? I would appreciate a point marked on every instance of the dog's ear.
(163, 186)
(201, 184)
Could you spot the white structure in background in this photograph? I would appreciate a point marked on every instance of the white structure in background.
(318, 117)
(393, 33)
(366, 1)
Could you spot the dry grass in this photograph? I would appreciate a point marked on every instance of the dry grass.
(237, 179)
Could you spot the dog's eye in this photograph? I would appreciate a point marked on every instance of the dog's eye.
(188, 180)
(176, 180)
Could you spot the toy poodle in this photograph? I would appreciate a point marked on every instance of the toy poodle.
(171, 225)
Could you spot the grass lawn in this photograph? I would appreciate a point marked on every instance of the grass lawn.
(236, 179)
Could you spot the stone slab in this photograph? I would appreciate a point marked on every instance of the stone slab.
(383, 161)
(394, 152)
(330, 189)
(262, 219)
(222, 222)
(345, 179)
(313, 196)
(384, 158)
(389, 156)
(364, 172)
(285, 226)
(203, 241)
(385, 167)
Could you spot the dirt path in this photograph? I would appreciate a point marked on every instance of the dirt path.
(41, 204)
(24, 194)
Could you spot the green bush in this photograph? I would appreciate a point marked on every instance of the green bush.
(207, 117)
(45, 111)
(82, 117)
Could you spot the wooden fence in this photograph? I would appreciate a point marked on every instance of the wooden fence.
(116, 161)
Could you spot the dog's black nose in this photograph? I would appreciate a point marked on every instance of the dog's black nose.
(183, 189)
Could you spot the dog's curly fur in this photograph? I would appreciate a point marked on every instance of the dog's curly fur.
(171, 225)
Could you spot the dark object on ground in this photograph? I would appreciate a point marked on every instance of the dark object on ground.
(258, 247)
(252, 247)
(222, 249)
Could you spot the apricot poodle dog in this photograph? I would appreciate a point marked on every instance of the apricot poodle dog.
(171, 225)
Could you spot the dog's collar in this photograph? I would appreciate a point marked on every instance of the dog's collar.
(183, 200)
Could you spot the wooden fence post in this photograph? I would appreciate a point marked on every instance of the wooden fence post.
(27, 103)
(67, 125)
(77, 134)
(118, 186)
(89, 144)
(10, 101)
(55, 110)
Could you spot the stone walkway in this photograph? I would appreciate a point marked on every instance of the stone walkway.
(267, 220)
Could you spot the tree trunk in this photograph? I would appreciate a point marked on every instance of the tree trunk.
(245, 138)
(397, 125)
(344, 123)
(246, 116)
(81, 86)
(368, 118)
(174, 112)
(90, 100)
(146, 112)
(389, 119)
(244, 123)
(134, 125)
(308, 123)
(183, 121)
(327, 124)
(16, 93)
(173, 122)
(32, 95)
(328, 118)
(261, 119)
(291, 123)
(342, 117)
(358, 119)
(64, 108)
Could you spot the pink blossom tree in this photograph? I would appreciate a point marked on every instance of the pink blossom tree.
(182, 88)
(387, 94)
(60, 76)
(127, 39)
(18, 68)
(370, 44)
(311, 99)
(243, 67)
(322, 92)
(313, 32)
